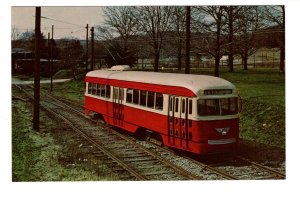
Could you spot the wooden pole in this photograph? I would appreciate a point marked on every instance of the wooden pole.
(93, 56)
(49, 54)
(52, 44)
(87, 48)
(36, 109)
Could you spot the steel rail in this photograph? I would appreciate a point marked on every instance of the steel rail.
(166, 162)
(104, 150)
(178, 169)
(273, 171)
(79, 132)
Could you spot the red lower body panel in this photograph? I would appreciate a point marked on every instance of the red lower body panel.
(199, 137)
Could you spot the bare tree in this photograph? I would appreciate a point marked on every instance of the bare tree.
(122, 22)
(232, 18)
(120, 26)
(154, 21)
(71, 53)
(275, 15)
(178, 25)
(15, 33)
(212, 26)
(27, 35)
(249, 23)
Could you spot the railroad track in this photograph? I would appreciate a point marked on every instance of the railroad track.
(134, 159)
(240, 168)
(143, 161)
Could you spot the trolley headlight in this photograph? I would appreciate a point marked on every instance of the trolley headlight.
(223, 131)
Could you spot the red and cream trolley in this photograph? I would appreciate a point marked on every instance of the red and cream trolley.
(194, 113)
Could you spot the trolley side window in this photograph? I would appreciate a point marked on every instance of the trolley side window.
(150, 100)
(143, 97)
(89, 88)
(136, 96)
(159, 101)
(103, 90)
(98, 90)
(129, 94)
(107, 91)
(94, 88)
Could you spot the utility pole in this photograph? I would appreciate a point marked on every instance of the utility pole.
(188, 38)
(87, 48)
(49, 53)
(51, 67)
(92, 61)
(36, 108)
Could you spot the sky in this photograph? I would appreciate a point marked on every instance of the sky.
(68, 21)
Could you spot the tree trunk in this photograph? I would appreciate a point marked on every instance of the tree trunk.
(74, 72)
(188, 38)
(245, 61)
(230, 62)
(230, 53)
(179, 56)
(217, 52)
(282, 58)
(156, 61)
(217, 65)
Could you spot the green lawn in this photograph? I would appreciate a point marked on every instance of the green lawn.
(39, 156)
(263, 104)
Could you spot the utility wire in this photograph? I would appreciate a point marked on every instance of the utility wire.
(61, 21)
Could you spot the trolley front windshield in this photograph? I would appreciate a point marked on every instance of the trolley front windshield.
(224, 106)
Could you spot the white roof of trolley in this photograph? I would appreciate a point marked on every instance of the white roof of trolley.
(196, 83)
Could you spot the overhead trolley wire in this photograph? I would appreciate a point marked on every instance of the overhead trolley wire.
(61, 21)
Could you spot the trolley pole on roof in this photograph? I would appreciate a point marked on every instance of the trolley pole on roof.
(188, 38)
(36, 109)
(92, 61)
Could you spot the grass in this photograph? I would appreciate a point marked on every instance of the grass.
(73, 89)
(263, 99)
(37, 156)
(262, 91)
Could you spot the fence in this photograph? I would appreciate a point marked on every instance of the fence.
(267, 58)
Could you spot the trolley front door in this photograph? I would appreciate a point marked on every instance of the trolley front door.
(174, 120)
(179, 110)
(118, 108)
(171, 120)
